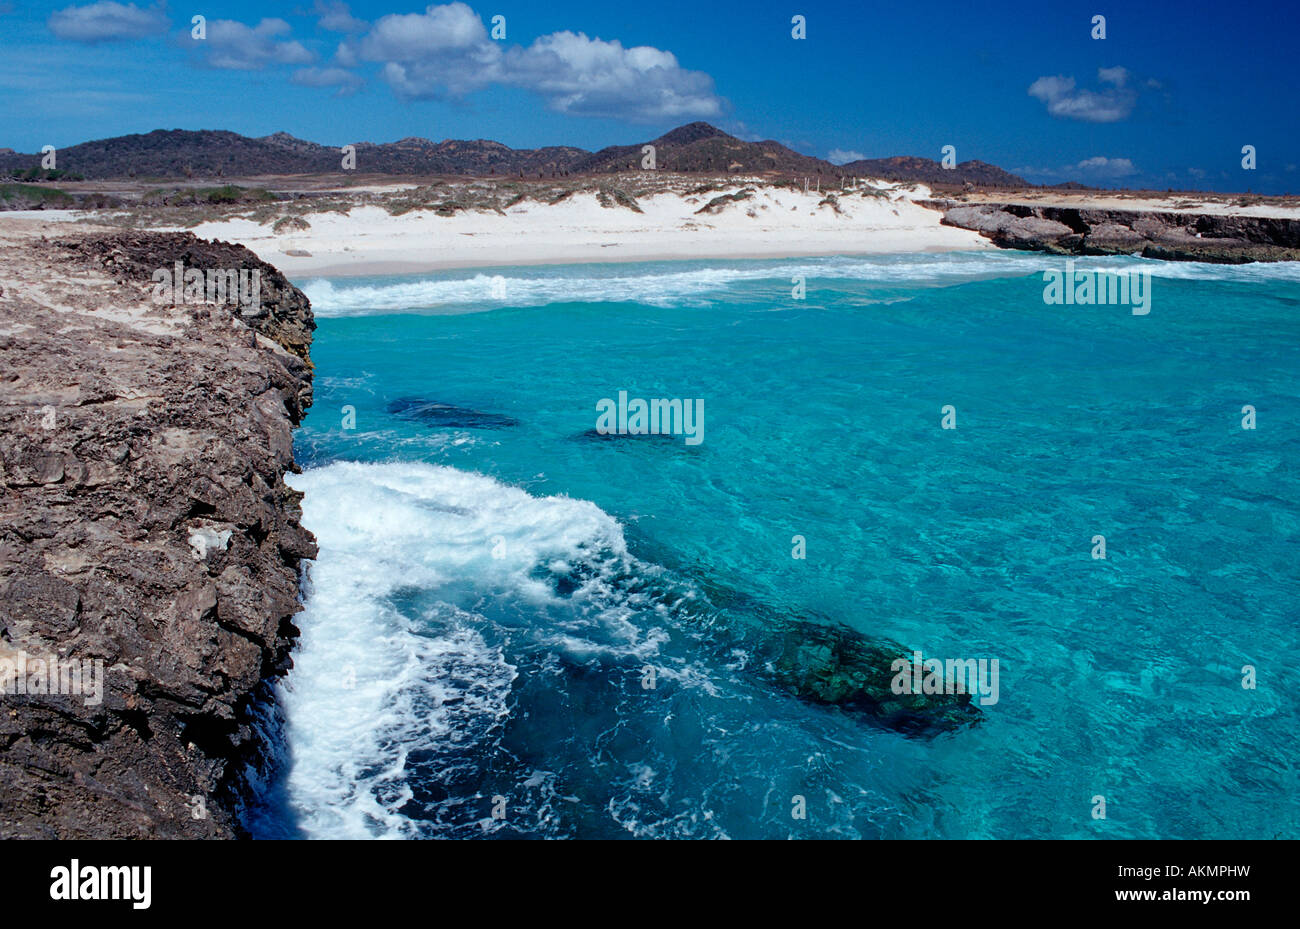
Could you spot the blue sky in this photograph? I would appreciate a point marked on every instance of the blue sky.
(1167, 99)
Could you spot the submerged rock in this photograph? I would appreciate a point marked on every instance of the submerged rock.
(835, 665)
(594, 435)
(446, 416)
(831, 664)
(809, 656)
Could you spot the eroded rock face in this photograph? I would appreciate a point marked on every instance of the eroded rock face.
(1151, 234)
(144, 522)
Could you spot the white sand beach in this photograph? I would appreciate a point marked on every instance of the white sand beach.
(771, 222)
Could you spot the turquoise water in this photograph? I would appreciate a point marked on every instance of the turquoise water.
(494, 581)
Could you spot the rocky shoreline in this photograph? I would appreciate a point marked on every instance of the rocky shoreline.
(1172, 236)
(145, 528)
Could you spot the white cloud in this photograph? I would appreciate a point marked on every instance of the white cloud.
(1100, 106)
(107, 21)
(422, 36)
(1117, 75)
(593, 77)
(446, 52)
(236, 46)
(335, 16)
(343, 79)
(741, 131)
(1100, 167)
(346, 56)
(839, 156)
(1098, 170)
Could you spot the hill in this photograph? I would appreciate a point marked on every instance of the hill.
(700, 147)
(694, 148)
(927, 171)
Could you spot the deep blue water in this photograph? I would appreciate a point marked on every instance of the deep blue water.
(494, 581)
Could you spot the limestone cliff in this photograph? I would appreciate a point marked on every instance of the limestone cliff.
(1174, 236)
(144, 523)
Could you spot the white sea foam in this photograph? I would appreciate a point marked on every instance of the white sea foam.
(662, 285)
(377, 680)
(1255, 272)
(671, 284)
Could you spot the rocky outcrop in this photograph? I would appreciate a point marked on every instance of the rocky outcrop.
(144, 524)
(1174, 236)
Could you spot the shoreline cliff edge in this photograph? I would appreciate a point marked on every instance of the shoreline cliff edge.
(146, 530)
